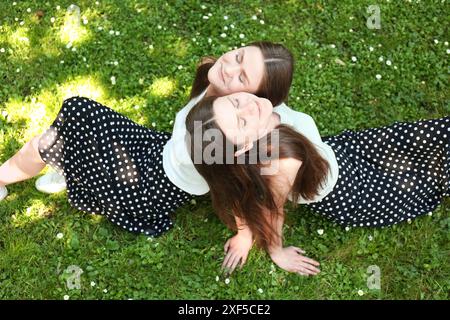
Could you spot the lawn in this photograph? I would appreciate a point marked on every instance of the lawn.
(138, 57)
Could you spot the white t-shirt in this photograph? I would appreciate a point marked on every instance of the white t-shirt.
(180, 169)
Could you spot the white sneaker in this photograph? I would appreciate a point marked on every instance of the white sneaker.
(51, 182)
(3, 193)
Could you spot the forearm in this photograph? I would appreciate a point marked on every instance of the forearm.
(277, 224)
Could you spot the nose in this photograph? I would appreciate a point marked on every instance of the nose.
(250, 108)
(230, 69)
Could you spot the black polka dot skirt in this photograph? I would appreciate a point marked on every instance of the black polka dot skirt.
(112, 166)
(388, 174)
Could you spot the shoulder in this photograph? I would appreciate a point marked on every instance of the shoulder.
(285, 171)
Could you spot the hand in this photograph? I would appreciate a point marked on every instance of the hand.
(237, 249)
(291, 260)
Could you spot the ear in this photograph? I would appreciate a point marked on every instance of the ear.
(244, 149)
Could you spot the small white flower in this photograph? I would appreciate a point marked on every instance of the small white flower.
(223, 35)
(2, 50)
(105, 290)
(395, 67)
(85, 21)
(74, 49)
(150, 47)
(436, 41)
(180, 67)
(217, 278)
(111, 32)
(446, 43)
(100, 28)
(430, 213)
(261, 21)
(381, 59)
(14, 3)
(388, 62)
(409, 221)
(360, 292)
(254, 18)
(92, 284)
(225, 17)
(332, 46)
(232, 26)
(370, 49)
(58, 7)
(62, 62)
(97, 3)
(52, 19)
(159, 27)
(136, 107)
(227, 281)
(347, 228)
(209, 40)
(260, 290)
(66, 297)
(153, 124)
(29, 10)
(113, 80)
(205, 17)
(117, 33)
(225, 28)
(242, 36)
(69, 45)
(354, 59)
(378, 76)
(203, 6)
(59, 236)
(22, 23)
(370, 238)
(116, 63)
(319, 65)
(448, 51)
(210, 14)
(351, 30)
(320, 231)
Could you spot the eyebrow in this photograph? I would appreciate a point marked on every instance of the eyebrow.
(237, 118)
(245, 74)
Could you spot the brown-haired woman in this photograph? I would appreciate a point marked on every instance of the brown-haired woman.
(369, 178)
(131, 174)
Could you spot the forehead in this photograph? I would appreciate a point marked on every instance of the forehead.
(226, 117)
(254, 66)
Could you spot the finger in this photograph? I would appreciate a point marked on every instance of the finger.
(301, 251)
(226, 259)
(235, 263)
(309, 267)
(243, 260)
(227, 246)
(310, 261)
(232, 257)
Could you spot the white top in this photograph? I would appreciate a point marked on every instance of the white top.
(181, 171)
(177, 162)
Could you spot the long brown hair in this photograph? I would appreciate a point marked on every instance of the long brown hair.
(277, 78)
(238, 188)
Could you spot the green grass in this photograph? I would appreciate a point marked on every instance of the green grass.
(157, 49)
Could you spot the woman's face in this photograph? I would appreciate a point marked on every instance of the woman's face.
(244, 117)
(236, 71)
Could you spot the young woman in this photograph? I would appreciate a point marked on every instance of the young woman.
(370, 178)
(133, 175)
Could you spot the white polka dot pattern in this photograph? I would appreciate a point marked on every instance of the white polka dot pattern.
(389, 174)
(112, 166)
